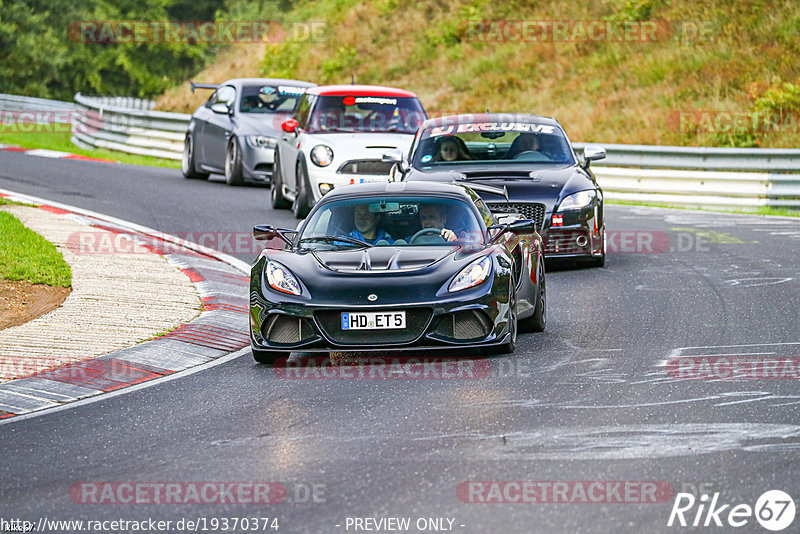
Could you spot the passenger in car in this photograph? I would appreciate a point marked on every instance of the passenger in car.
(366, 226)
(451, 149)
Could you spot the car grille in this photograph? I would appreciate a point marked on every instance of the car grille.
(330, 321)
(286, 330)
(563, 242)
(528, 210)
(464, 325)
(366, 166)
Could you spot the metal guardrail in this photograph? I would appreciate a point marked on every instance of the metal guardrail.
(103, 123)
(701, 158)
(27, 103)
(126, 102)
(688, 176)
(700, 188)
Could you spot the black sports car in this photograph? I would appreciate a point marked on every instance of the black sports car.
(393, 266)
(530, 159)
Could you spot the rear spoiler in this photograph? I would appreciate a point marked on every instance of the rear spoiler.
(203, 85)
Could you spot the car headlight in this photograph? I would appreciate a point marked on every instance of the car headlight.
(280, 278)
(472, 275)
(262, 141)
(322, 155)
(576, 201)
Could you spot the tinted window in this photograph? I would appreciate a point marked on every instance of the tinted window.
(301, 114)
(389, 220)
(366, 114)
(491, 141)
(270, 99)
(486, 215)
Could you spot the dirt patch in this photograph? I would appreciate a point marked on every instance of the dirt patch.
(21, 302)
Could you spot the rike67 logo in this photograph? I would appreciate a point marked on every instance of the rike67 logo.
(774, 510)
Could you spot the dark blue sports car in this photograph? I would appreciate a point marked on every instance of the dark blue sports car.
(397, 266)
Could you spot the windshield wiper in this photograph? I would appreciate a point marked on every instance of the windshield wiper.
(335, 240)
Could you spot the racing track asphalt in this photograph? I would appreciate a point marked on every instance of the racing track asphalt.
(586, 400)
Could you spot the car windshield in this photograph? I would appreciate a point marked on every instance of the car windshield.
(492, 141)
(391, 221)
(270, 98)
(366, 114)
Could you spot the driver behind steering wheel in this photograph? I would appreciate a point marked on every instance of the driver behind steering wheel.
(523, 143)
(434, 216)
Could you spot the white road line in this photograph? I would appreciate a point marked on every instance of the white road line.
(226, 258)
(44, 153)
(129, 389)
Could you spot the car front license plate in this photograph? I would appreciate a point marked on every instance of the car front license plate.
(373, 320)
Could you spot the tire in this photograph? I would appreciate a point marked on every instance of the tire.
(538, 321)
(278, 201)
(233, 163)
(509, 346)
(600, 261)
(301, 205)
(188, 163)
(268, 357)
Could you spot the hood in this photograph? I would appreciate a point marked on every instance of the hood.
(547, 185)
(259, 123)
(383, 259)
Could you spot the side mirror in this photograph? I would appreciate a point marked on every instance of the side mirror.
(395, 156)
(220, 107)
(593, 153)
(522, 226)
(290, 125)
(264, 232)
(400, 164)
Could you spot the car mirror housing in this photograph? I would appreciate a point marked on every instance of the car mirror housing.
(263, 232)
(593, 153)
(220, 107)
(290, 125)
(522, 226)
(394, 156)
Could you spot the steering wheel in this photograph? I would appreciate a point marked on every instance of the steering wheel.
(429, 233)
(525, 153)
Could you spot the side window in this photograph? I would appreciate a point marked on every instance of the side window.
(486, 215)
(212, 99)
(226, 94)
(303, 109)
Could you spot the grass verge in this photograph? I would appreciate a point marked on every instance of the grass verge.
(25, 255)
(764, 210)
(61, 141)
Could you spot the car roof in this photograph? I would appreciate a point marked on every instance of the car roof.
(239, 82)
(469, 118)
(359, 90)
(423, 187)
